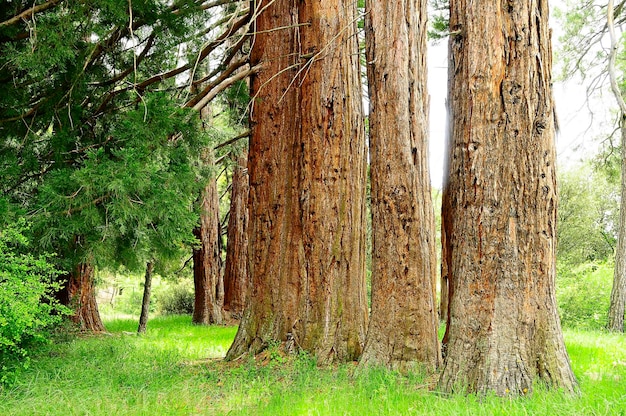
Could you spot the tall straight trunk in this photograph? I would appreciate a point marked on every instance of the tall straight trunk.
(206, 260)
(307, 174)
(617, 305)
(145, 302)
(79, 295)
(236, 282)
(500, 203)
(403, 325)
(444, 293)
(618, 292)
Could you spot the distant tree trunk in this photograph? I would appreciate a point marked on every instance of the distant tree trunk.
(206, 260)
(500, 201)
(618, 293)
(79, 295)
(403, 325)
(444, 293)
(236, 281)
(307, 174)
(617, 306)
(207, 269)
(145, 302)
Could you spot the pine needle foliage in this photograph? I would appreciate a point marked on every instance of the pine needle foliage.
(97, 144)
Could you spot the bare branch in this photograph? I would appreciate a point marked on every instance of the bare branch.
(29, 12)
(222, 86)
(233, 140)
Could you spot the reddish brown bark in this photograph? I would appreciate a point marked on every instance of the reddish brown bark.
(206, 260)
(79, 295)
(499, 204)
(403, 326)
(236, 281)
(307, 171)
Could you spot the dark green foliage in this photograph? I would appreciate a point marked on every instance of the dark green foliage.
(177, 300)
(97, 149)
(27, 307)
(439, 19)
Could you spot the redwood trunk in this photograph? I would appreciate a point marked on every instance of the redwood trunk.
(145, 302)
(80, 296)
(403, 327)
(307, 173)
(618, 292)
(500, 201)
(206, 260)
(236, 282)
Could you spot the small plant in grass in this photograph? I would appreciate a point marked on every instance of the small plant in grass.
(27, 308)
(177, 300)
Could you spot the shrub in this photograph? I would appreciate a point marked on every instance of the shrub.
(583, 295)
(27, 308)
(177, 300)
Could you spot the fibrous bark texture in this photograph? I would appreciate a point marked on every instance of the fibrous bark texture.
(500, 203)
(307, 172)
(236, 282)
(206, 260)
(403, 325)
(79, 295)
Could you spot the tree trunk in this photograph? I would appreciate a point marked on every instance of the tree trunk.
(79, 295)
(236, 282)
(403, 326)
(618, 292)
(145, 302)
(500, 203)
(206, 260)
(444, 293)
(307, 183)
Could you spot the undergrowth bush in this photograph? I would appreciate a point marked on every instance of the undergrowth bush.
(583, 295)
(177, 300)
(27, 308)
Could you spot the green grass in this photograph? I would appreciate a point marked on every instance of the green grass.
(175, 370)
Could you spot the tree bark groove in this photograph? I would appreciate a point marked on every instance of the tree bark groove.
(206, 260)
(236, 281)
(79, 295)
(307, 173)
(403, 325)
(500, 203)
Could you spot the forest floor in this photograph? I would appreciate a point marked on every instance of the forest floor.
(176, 369)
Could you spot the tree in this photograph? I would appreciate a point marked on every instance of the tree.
(79, 294)
(499, 207)
(403, 325)
(307, 172)
(236, 278)
(617, 307)
(90, 109)
(145, 301)
(206, 259)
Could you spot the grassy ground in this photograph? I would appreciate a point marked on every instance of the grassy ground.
(175, 370)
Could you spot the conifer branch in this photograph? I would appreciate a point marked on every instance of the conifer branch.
(29, 12)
